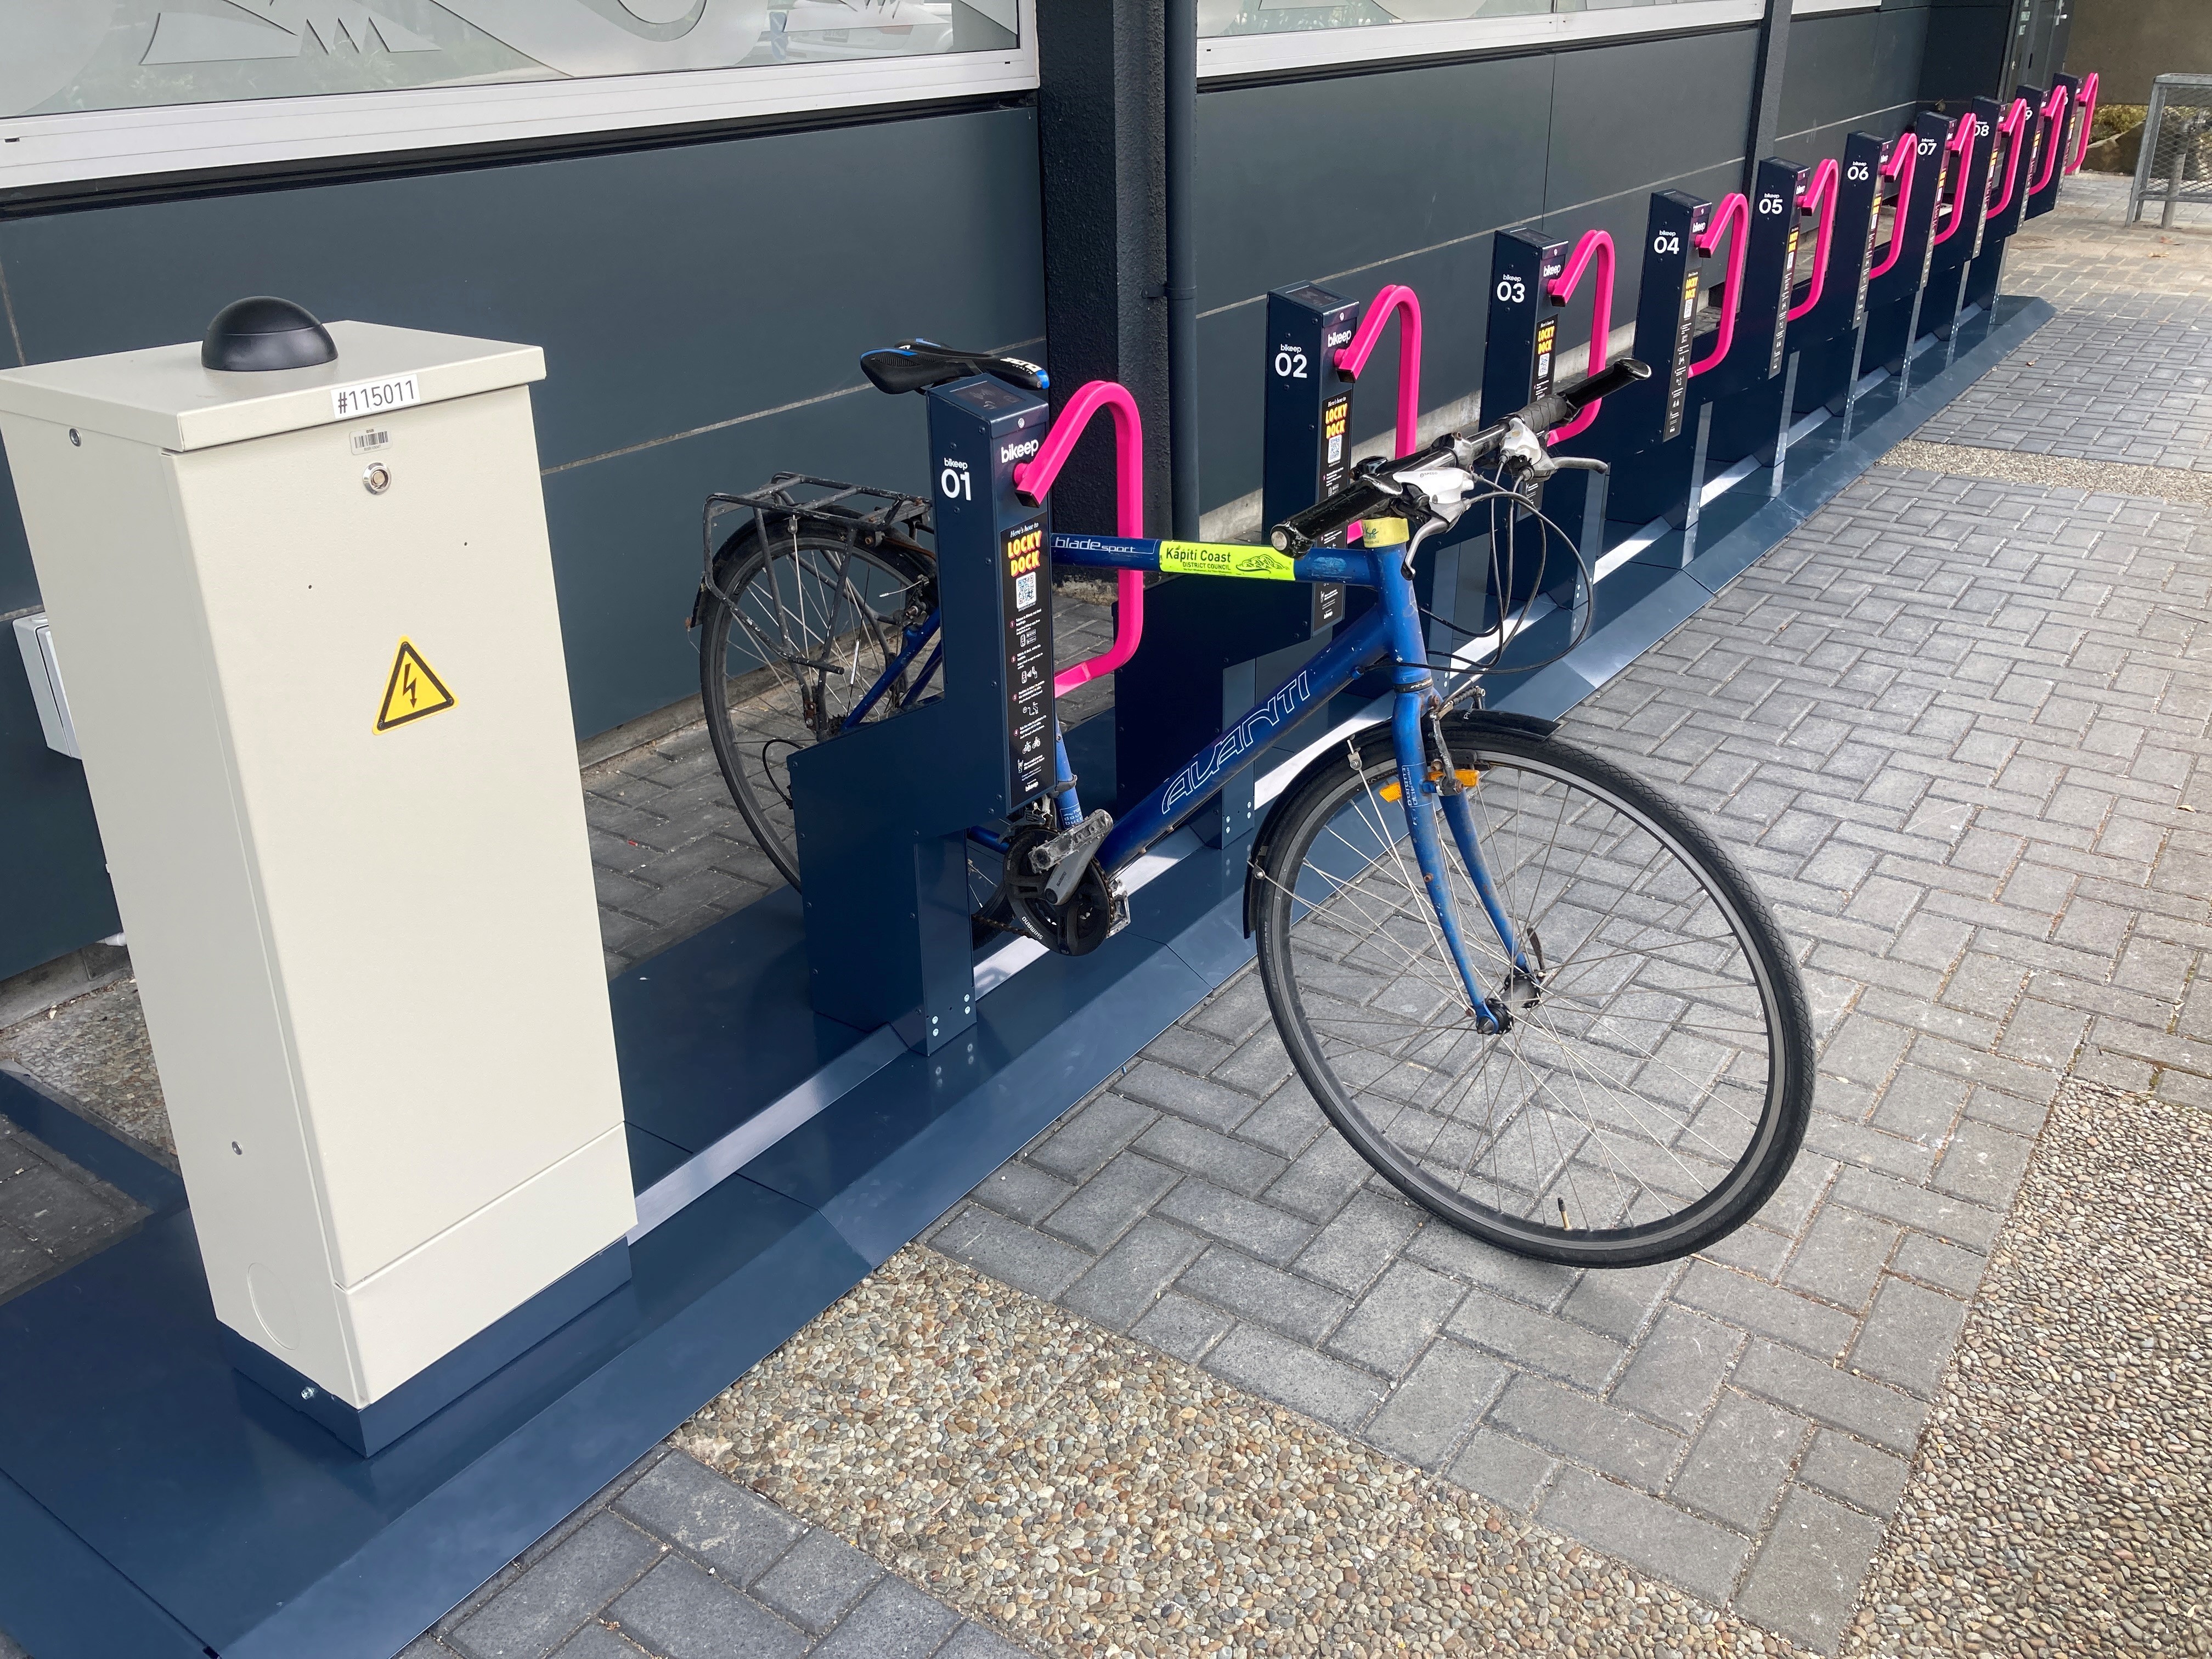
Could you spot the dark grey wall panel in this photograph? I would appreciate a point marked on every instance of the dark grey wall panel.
(701, 287)
(1402, 176)
(670, 287)
(1964, 52)
(1830, 77)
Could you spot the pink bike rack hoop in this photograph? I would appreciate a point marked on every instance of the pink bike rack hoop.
(1595, 246)
(1820, 196)
(1732, 220)
(2086, 101)
(1960, 145)
(1033, 482)
(1394, 300)
(2014, 127)
(2054, 110)
(1899, 166)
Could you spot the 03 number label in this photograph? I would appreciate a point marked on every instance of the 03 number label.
(1512, 291)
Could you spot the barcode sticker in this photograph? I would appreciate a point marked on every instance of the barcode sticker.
(370, 438)
(375, 396)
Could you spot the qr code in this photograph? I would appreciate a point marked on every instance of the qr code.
(1025, 591)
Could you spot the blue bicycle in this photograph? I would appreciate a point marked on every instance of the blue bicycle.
(1531, 991)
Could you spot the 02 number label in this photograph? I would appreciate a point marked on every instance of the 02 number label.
(1290, 363)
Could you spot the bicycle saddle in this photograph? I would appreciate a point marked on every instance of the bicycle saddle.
(917, 365)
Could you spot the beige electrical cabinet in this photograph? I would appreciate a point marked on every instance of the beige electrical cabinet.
(315, 669)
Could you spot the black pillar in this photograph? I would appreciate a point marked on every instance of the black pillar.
(1766, 89)
(1102, 119)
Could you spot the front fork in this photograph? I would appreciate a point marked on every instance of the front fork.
(1414, 721)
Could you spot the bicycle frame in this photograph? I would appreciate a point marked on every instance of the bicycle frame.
(1388, 631)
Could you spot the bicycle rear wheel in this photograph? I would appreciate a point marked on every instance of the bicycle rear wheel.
(1654, 1081)
(794, 636)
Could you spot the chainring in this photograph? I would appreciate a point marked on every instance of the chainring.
(1093, 911)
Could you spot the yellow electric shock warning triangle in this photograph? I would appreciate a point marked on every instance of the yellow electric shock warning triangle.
(413, 690)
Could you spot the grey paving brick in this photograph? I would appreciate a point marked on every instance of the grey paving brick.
(1257, 1229)
(595, 1641)
(1258, 1066)
(1909, 1337)
(679, 1612)
(1124, 1283)
(1541, 1284)
(534, 1613)
(1576, 1426)
(734, 1531)
(1320, 1180)
(1189, 1049)
(1619, 1300)
(1766, 1310)
(896, 1621)
(1302, 1311)
(1543, 1341)
(1244, 1169)
(1287, 1122)
(1111, 1202)
(1089, 1136)
(1645, 1533)
(1201, 1102)
(1293, 1375)
(1503, 1470)
(425, 1646)
(973, 1641)
(1806, 1576)
(1985, 1164)
(1842, 1255)
(1855, 1472)
(1010, 1252)
(1948, 1267)
(1366, 1236)
(818, 1580)
(1427, 1414)
(1741, 1461)
(1022, 1191)
(1677, 1368)
(1958, 1219)
(1828, 1395)
(1181, 1326)
(1393, 1323)
(1750, 1249)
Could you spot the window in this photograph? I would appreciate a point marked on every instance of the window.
(1262, 36)
(95, 87)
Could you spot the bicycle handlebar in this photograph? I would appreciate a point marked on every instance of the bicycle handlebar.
(1373, 488)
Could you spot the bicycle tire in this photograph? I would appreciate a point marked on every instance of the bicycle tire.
(755, 705)
(1397, 1114)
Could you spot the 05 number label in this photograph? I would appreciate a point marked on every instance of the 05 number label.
(1769, 203)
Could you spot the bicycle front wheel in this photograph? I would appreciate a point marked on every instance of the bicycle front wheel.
(1654, 1078)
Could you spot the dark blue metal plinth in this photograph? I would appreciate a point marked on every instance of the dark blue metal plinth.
(156, 1504)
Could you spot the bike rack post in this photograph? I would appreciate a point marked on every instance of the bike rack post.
(1520, 354)
(2084, 101)
(2009, 177)
(1958, 239)
(1210, 643)
(883, 813)
(1744, 394)
(1650, 413)
(2054, 131)
(1825, 329)
(1895, 284)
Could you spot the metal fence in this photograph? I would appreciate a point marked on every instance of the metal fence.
(2176, 163)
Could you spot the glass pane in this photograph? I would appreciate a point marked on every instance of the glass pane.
(58, 55)
(1220, 17)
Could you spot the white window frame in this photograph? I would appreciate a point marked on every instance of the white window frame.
(187, 138)
(1815, 8)
(1224, 56)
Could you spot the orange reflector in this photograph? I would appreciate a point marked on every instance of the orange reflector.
(1468, 777)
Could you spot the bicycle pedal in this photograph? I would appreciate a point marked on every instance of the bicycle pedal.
(1066, 853)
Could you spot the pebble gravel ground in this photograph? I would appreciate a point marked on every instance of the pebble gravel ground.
(94, 1050)
(2061, 1503)
(1093, 1498)
(2168, 483)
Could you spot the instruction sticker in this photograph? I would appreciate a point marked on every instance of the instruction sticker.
(413, 690)
(1226, 559)
(1025, 576)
